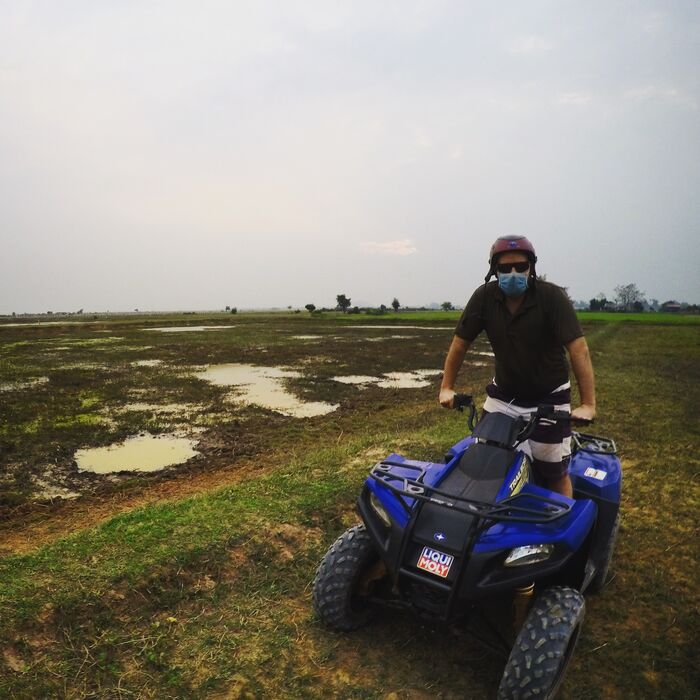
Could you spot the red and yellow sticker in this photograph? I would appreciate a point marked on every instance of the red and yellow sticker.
(435, 562)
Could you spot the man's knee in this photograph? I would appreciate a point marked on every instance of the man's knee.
(562, 485)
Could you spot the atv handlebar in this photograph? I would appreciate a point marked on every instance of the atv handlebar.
(462, 401)
(547, 413)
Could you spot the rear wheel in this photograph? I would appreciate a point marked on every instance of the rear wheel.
(544, 646)
(601, 575)
(343, 580)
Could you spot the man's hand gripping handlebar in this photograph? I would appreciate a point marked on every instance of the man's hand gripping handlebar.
(462, 401)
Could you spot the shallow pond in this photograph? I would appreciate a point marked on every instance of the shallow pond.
(400, 328)
(176, 408)
(142, 453)
(187, 329)
(392, 380)
(264, 386)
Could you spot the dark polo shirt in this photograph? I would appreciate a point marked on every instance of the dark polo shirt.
(529, 345)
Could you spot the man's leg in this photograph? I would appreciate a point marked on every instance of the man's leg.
(562, 486)
(551, 452)
(550, 444)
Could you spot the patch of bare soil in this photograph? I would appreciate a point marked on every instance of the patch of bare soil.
(42, 525)
(288, 539)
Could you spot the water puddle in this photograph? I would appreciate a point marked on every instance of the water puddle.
(26, 384)
(306, 337)
(384, 338)
(264, 386)
(400, 328)
(187, 329)
(142, 453)
(85, 365)
(178, 408)
(406, 380)
(67, 344)
(47, 323)
(147, 363)
(356, 379)
(392, 380)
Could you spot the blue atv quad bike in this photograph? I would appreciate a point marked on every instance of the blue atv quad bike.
(476, 541)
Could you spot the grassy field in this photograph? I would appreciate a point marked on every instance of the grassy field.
(195, 582)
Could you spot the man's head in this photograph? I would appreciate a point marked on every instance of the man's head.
(512, 260)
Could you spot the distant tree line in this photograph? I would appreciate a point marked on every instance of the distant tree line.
(629, 298)
(343, 303)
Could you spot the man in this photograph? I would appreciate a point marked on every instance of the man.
(529, 323)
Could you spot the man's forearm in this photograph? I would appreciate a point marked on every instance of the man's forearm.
(453, 362)
(583, 370)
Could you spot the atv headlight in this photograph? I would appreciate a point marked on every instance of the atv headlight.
(529, 554)
(379, 509)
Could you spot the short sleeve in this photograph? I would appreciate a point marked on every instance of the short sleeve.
(471, 323)
(565, 323)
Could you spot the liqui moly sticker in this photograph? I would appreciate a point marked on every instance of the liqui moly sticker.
(435, 562)
(595, 473)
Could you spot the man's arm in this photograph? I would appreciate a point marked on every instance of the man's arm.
(583, 371)
(453, 362)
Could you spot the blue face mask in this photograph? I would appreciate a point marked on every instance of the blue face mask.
(513, 284)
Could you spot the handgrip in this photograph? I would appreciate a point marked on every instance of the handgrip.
(462, 401)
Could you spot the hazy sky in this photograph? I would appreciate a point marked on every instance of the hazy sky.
(189, 155)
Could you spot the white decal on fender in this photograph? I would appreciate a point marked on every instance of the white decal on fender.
(595, 473)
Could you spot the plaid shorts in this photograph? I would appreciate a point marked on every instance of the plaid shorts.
(549, 445)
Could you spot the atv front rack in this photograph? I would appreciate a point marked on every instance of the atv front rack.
(505, 510)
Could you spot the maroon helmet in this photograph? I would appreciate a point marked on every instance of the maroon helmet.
(510, 244)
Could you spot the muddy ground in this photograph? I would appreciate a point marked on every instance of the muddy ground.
(68, 388)
(130, 588)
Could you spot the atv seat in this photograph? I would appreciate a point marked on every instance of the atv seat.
(498, 428)
(478, 476)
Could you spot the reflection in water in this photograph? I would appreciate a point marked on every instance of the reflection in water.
(142, 453)
(264, 386)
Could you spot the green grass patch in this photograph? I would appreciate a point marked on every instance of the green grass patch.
(209, 595)
(653, 318)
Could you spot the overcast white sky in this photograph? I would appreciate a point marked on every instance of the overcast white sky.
(182, 155)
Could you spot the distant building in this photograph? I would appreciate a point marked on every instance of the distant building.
(671, 306)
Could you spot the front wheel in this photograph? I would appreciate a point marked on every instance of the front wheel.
(340, 589)
(544, 646)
